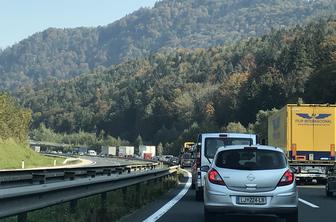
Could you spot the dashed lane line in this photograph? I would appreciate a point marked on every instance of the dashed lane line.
(308, 203)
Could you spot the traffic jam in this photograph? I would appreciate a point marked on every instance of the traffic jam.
(233, 175)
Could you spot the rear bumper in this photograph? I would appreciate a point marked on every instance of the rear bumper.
(186, 164)
(251, 210)
(311, 179)
(282, 200)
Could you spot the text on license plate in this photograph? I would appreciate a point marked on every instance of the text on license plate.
(251, 200)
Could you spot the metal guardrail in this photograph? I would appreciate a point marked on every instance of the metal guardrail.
(24, 177)
(20, 200)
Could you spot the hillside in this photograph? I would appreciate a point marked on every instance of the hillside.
(12, 154)
(176, 94)
(66, 53)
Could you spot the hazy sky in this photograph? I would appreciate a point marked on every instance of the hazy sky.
(22, 18)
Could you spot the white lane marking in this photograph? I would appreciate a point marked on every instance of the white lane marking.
(308, 203)
(171, 203)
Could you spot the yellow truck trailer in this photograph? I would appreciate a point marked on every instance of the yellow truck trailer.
(307, 134)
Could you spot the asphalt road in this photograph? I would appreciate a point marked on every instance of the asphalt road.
(188, 209)
(101, 161)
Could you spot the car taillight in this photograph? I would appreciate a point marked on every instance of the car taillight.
(287, 178)
(215, 178)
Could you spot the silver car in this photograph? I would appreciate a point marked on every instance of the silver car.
(250, 180)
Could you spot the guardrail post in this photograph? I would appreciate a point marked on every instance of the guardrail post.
(22, 164)
(107, 172)
(70, 175)
(73, 205)
(161, 181)
(22, 217)
(91, 173)
(138, 194)
(103, 198)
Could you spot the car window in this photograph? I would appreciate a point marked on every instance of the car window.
(187, 156)
(212, 144)
(256, 159)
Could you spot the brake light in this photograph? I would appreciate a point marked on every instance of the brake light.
(215, 178)
(287, 178)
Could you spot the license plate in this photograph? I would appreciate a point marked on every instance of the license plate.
(251, 200)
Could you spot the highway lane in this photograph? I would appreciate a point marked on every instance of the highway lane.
(104, 161)
(188, 209)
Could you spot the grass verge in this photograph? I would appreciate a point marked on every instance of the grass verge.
(12, 154)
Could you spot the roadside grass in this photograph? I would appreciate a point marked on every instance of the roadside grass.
(12, 154)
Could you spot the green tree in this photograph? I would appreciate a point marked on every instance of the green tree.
(260, 127)
(14, 120)
(233, 127)
(159, 149)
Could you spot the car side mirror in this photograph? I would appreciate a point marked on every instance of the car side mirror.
(205, 168)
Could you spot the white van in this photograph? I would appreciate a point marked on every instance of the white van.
(206, 148)
(92, 153)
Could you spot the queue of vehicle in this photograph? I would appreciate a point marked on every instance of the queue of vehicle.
(263, 180)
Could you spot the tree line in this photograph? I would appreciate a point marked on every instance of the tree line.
(170, 97)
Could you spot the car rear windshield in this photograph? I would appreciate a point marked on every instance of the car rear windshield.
(212, 144)
(187, 156)
(247, 159)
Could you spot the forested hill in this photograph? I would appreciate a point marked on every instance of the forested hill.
(65, 53)
(162, 95)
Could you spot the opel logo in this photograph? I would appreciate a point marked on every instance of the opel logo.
(251, 177)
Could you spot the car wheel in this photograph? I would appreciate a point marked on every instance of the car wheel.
(209, 216)
(292, 217)
(328, 193)
(199, 195)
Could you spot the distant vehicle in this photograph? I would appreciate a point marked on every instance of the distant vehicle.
(81, 153)
(250, 180)
(206, 148)
(108, 151)
(306, 133)
(126, 151)
(53, 152)
(186, 160)
(310, 175)
(92, 153)
(166, 158)
(147, 152)
(59, 152)
(156, 158)
(174, 161)
(187, 147)
(331, 183)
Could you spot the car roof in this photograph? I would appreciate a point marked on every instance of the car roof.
(259, 147)
(229, 134)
